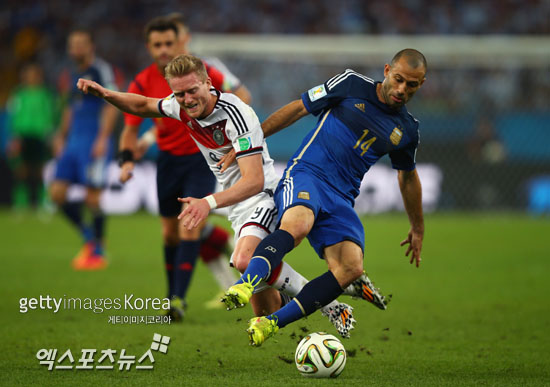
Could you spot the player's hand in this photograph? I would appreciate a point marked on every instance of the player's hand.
(126, 171)
(414, 241)
(195, 212)
(90, 87)
(227, 160)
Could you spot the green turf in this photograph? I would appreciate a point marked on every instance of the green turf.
(475, 313)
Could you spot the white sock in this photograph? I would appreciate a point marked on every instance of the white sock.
(291, 283)
(223, 273)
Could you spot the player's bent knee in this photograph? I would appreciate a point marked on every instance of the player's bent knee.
(241, 261)
(170, 236)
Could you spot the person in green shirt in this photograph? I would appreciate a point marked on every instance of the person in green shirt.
(31, 118)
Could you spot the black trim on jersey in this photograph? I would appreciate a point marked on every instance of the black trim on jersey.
(267, 219)
(332, 82)
(235, 115)
(254, 224)
(258, 149)
(160, 108)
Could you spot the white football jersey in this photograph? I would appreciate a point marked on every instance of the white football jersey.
(232, 124)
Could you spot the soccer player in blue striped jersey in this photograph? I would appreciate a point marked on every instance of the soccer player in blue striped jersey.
(360, 121)
(82, 149)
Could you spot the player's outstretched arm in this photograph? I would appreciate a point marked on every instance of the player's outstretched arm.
(285, 116)
(136, 104)
(411, 190)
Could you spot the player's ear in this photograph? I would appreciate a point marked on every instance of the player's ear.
(387, 69)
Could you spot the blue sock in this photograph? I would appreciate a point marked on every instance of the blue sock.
(169, 256)
(314, 295)
(98, 225)
(184, 264)
(268, 255)
(73, 212)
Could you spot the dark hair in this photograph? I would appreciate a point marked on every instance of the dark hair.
(177, 19)
(414, 58)
(83, 30)
(160, 24)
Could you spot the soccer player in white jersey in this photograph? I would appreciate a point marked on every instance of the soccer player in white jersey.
(219, 123)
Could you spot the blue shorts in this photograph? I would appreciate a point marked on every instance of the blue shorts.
(181, 176)
(335, 218)
(78, 167)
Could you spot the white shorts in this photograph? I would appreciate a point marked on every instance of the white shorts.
(255, 216)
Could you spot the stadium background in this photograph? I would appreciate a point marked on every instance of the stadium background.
(476, 313)
(484, 111)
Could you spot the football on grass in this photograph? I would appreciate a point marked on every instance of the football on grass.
(320, 355)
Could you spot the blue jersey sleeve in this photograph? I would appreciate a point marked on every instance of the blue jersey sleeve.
(404, 159)
(328, 94)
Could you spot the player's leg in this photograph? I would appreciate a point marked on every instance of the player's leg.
(265, 299)
(345, 265)
(188, 176)
(216, 248)
(170, 239)
(66, 173)
(94, 259)
(296, 212)
(170, 173)
(295, 224)
(93, 173)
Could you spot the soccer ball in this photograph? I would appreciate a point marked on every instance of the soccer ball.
(320, 355)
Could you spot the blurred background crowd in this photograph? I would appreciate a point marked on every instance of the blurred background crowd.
(485, 126)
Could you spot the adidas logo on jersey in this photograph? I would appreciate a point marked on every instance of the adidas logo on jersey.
(360, 106)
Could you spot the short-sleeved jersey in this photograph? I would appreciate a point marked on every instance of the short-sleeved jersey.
(353, 132)
(86, 108)
(170, 136)
(231, 125)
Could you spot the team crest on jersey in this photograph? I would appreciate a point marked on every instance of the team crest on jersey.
(360, 106)
(218, 137)
(396, 136)
(303, 195)
(317, 92)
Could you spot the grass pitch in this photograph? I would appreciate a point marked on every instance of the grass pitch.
(475, 313)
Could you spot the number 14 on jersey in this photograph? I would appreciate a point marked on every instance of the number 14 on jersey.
(364, 145)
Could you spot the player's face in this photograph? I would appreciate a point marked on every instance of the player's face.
(193, 95)
(401, 82)
(162, 46)
(80, 47)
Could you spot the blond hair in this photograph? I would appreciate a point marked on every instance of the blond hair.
(185, 64)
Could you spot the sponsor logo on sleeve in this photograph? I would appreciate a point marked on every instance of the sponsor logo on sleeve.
(244, 143)
(317, 92)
